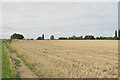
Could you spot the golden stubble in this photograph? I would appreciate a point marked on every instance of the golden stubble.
(70, 58)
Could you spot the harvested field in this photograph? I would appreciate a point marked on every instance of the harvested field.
(69, 58)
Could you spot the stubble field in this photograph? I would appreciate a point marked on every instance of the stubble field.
(69, 58)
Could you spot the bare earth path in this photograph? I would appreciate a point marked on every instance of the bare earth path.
(23, 71)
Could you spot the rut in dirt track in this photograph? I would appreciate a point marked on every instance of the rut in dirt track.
(23, 71)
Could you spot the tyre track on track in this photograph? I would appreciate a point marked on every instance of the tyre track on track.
(23, 71)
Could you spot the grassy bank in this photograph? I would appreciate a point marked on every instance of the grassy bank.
(0, 59)
(8, 68)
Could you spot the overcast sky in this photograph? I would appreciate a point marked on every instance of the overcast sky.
(33, 19)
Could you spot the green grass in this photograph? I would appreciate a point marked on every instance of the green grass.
(26, 64)
(31, 66)
(44, 52)
(0, 59)
(17, 62)
(7, 45)
(8, 69)
(45, 49)
(10, 49)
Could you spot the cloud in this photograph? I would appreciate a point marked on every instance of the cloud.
(59, 19)
(0, 20)
(32, 16)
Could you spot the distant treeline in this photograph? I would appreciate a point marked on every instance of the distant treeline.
(87, 37)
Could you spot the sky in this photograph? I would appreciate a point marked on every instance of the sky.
(0, 20)
(61, 19)
(59, 0)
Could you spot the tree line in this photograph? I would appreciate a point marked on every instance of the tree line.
(87, 37)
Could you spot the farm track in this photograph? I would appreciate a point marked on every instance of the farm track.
(70, 59)
(23, 71)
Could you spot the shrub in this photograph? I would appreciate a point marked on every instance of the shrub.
(17, 36)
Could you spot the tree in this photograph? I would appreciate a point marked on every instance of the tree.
(17, 36)
(62, 38)
(119, 33)
(97, 37)
(81, 37)
(115, 33)
(78, 38)
(39, 38)
(89, 37)
(70, 38)
(115, 37)
(31, 39)
(74, 37)
(101, 37)
(52, 37)
(28, 39)
(42, 36)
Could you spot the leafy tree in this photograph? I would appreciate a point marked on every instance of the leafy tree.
(108, 38)
(81, 37)
(119, 33)
(17, 36)
(97, 38)
(89, 37)
(62, 38)
(39, 38)
(70, 38)
(101, 37)
(52, 37)
(74, 37)
(31, 39)
(78, 38)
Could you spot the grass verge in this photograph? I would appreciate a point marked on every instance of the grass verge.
(17, 62)
(23, 58)
(10, 49)
(8, 69)
(0, 59)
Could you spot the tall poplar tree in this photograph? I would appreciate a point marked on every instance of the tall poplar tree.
(42, 36)
(115, 33)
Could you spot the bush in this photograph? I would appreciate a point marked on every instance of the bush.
(17, 36)
(39, 38)
(63, 38)
(52, 37)
(89, 37)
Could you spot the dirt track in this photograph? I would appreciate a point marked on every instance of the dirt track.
(23, 71)
(69, 58)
